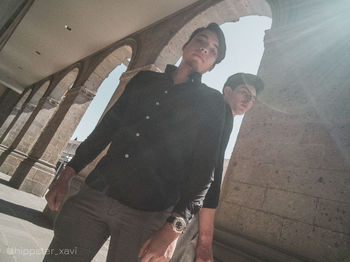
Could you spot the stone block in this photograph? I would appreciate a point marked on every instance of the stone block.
(227, 216)
(7, 168)
(260, 225)
(333, 215)
(282, 154)
(251, 172)
(298, 155)
(314, 242)
(291, 205)
(27, 185)
(39, 189)
(315, 133)
(245, 195)
(43, 178)
(333, 158)
(262, 132)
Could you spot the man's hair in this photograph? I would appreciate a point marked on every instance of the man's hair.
(245, 79)
(214, 27)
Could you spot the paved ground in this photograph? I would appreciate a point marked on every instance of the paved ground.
(24, 233)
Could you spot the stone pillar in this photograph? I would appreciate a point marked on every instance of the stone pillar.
(10, 118)
(35, 173)
(286, 192)
(16, 128)
(8, 101)
(32, 134)
(21, 147)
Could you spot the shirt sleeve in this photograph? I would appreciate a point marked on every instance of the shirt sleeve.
(101, 136)
(206, 147)
(212, 197)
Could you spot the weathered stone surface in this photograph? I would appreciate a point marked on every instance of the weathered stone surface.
(320, 244)
(292, 205)
(260, 225)
(246, 195)
(333, 215)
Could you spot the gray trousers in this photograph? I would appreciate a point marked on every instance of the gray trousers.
(90, 217)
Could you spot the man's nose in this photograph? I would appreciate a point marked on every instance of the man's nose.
(204, 49)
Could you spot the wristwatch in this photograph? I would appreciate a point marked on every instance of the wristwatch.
(178, 223)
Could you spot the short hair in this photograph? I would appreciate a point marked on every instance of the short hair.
(214, 27)
(245, 79)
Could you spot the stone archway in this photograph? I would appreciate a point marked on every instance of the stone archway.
(35, 174)
(48, 106)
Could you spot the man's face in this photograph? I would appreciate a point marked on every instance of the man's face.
(201, 52)
(240, 99)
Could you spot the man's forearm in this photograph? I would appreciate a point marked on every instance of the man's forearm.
(206, 225)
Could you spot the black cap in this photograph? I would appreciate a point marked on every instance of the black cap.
(215, 28)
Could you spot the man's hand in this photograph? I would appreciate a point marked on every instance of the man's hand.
(160, 246)
(57, 193)
(204, 253)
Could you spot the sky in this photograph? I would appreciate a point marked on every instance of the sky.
(245, 47)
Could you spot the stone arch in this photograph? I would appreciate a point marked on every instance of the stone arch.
(64, 85)
(39, 168)
(118, 56)
(225, 11)
(15, 111)
(47, 106)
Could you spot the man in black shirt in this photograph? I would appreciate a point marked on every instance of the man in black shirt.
(240, 91)
(165, 134)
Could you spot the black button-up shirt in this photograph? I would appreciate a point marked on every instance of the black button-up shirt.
(165, 143)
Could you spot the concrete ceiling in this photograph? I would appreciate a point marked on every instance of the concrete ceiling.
(41, 45)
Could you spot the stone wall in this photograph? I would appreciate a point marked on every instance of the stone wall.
(286, 188)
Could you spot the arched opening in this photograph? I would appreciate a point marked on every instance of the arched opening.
(64, 85)
(104, 81)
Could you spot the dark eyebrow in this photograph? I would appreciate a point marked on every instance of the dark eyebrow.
(246, 88)
(205, 36)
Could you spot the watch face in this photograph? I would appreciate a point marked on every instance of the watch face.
(179, 225)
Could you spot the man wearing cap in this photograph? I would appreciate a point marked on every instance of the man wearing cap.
(240, 91)
(165, 134)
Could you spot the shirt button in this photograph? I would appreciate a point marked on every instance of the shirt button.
(126, 156)
(147, 117)
(157, 103)
(166, 91)
(137, 134)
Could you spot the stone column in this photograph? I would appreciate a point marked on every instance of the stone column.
(16, 128)
(8, 101)
(21, 147)
(18, 123)
(14, 113)
(286, 192)
(35, 173)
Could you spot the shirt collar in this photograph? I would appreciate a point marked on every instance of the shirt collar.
(195, 77)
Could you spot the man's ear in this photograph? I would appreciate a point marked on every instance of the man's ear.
(227, 90)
